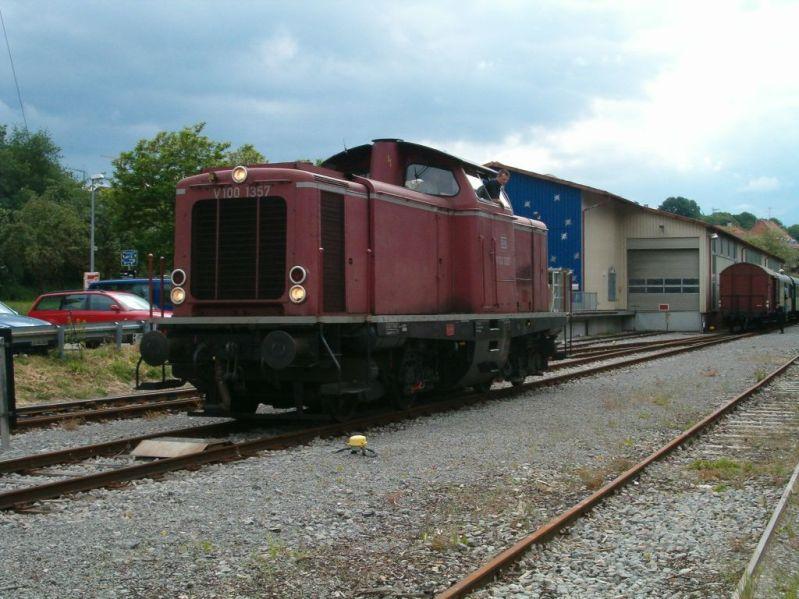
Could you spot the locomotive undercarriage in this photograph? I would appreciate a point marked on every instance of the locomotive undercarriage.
(335, 367)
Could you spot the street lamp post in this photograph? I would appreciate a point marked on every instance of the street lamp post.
(95, 184)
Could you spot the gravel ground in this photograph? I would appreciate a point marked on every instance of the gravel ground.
(778, 574)
(687, 528)
(443, 494)
(44, 440)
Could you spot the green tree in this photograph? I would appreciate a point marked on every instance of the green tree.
(46, 245)
(746, 219)
(142, 197)
(775, 243)
(793, 231)
(721, 218)
(245, 155)
(43, 216)
(682, 206)
(29, 164)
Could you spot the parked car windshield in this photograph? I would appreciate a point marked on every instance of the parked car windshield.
(133, 302)
(5, 309)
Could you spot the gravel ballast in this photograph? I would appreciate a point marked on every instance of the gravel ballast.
(443, 494)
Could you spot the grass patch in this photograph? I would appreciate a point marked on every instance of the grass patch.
(789, 586)
(660, 399)
(730, 471)
(594, 478)
(444, 540)
(21, 306)
(80, 375)
(760, 374)
(721, 469)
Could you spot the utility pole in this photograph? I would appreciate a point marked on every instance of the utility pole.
(95, 184)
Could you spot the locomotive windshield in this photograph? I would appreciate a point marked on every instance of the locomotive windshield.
(431, 179)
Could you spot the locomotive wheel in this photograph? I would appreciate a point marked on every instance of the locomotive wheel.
(482, 387)
(341, 407)
(400, 400)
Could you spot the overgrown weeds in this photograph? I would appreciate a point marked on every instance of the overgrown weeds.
(79, 375)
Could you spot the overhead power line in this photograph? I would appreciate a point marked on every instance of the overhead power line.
(14, 71)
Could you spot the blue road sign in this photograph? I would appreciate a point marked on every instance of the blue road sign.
(130, 257)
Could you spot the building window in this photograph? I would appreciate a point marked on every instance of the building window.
(663, 285)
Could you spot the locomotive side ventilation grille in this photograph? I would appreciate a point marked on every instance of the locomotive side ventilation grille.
(332, 208)
(238, 248)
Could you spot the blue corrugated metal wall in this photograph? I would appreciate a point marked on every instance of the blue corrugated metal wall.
(558, 206)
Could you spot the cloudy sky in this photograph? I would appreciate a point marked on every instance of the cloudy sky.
(644, 99)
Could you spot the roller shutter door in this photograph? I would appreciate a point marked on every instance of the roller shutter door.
(663, 277)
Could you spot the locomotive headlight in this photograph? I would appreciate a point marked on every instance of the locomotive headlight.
(297, 294)
(177, 295)
(297, 274)
(239, 174)
(178, 277)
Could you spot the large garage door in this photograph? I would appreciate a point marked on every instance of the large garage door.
(663, 277)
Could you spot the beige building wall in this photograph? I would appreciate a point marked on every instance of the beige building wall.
(607, 226)
(603, 250)
(611, 227)
(659, 230)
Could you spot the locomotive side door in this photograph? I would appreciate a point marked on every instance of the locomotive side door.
(488, 270)
(443, 265)
(504, 265)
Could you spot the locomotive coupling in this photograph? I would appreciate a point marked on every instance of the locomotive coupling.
(154, 348)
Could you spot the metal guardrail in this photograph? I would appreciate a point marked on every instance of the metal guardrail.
(53, 336)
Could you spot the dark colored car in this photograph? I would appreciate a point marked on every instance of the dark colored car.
(67, 307)
(20, 325)
(140, 287)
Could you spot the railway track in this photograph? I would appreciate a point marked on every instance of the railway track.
(123, 406)
(742, 434)
(586, 342)
(21, 478)
(605, 353)
(624, 344)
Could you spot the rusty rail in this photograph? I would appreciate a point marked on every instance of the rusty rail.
(545, 532)
(246, 449)
(103, 408)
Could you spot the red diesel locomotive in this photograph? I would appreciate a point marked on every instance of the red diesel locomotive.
(377, 276)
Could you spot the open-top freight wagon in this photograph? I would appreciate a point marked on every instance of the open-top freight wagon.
(380, 275)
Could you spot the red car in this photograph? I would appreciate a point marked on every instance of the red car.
(67, 307)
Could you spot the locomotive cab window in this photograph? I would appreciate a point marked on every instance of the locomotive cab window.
(431, 180)
(478, 185)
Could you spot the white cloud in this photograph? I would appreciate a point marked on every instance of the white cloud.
(761, 184)
(726, 81)
(277, 51)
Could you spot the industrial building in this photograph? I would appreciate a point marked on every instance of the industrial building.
(659, 271)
